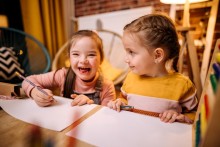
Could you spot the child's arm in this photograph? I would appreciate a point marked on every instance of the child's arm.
(189, 103)
(108, 92)
(45, 81)
(44, 98)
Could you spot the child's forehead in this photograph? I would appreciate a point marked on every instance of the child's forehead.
(84, 48)
(131, 37)
(84, 41)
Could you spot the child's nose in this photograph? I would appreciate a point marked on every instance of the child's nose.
(126, 59)
(83, 59)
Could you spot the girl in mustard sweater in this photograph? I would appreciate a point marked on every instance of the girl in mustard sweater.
(154, 84)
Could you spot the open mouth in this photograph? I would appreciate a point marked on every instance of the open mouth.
(84, 70)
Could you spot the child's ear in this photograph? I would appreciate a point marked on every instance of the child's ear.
(158, 55)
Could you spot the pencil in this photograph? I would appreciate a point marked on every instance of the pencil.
(126, 107)
(132, 109)
(41, 90)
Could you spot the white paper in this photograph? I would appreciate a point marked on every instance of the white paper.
(56, 117)
(108, 128)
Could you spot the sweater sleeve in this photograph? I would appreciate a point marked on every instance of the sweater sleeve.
(122, 95)
(46, 81)
(108, 92)
(189, 100)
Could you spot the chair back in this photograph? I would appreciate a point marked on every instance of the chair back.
(23, 53)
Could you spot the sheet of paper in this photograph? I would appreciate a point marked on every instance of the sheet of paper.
(56, 117)
(126, 129)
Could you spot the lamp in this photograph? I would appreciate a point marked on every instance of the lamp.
(186, 8)
(180, 1)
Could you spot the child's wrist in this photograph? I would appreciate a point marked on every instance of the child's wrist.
(30, 95)
(187, 119)
(123, 101)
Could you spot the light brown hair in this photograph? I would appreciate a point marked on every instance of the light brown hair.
(157, 31)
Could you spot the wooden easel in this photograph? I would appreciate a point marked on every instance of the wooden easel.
(192, 58)
(210, 114)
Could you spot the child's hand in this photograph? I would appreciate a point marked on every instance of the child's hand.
(183, 118)
(42, 99)
(115, 105)
(168, 116)
(80, 100)
(171, 116)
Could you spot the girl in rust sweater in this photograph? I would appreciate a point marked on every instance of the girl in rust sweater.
(83, 81)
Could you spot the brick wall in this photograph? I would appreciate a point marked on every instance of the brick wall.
(89, 7)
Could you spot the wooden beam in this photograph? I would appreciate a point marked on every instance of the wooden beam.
(209, 39)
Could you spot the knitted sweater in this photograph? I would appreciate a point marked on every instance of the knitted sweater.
(174, 91)
(56, 79)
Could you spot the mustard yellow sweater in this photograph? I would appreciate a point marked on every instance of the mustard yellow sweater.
(174, 91)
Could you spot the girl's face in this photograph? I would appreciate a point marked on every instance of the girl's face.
(140, 61)
(85, 58)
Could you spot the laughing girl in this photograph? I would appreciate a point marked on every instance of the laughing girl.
(83, 81)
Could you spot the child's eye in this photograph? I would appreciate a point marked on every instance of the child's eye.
(75, 54)
(91, 55)
(130, 52)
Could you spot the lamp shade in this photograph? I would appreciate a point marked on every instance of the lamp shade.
(180, 1)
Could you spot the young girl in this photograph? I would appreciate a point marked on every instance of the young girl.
(82, 81)
(154, 84)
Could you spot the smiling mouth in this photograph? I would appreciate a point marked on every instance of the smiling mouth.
(83, 70)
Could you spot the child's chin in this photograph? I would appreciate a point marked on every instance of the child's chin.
(87, 80)
(135, 72)
(85, 77)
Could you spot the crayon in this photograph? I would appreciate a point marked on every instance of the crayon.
(217, 57)
(216, 68)
(213, 82)
(126, 107)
